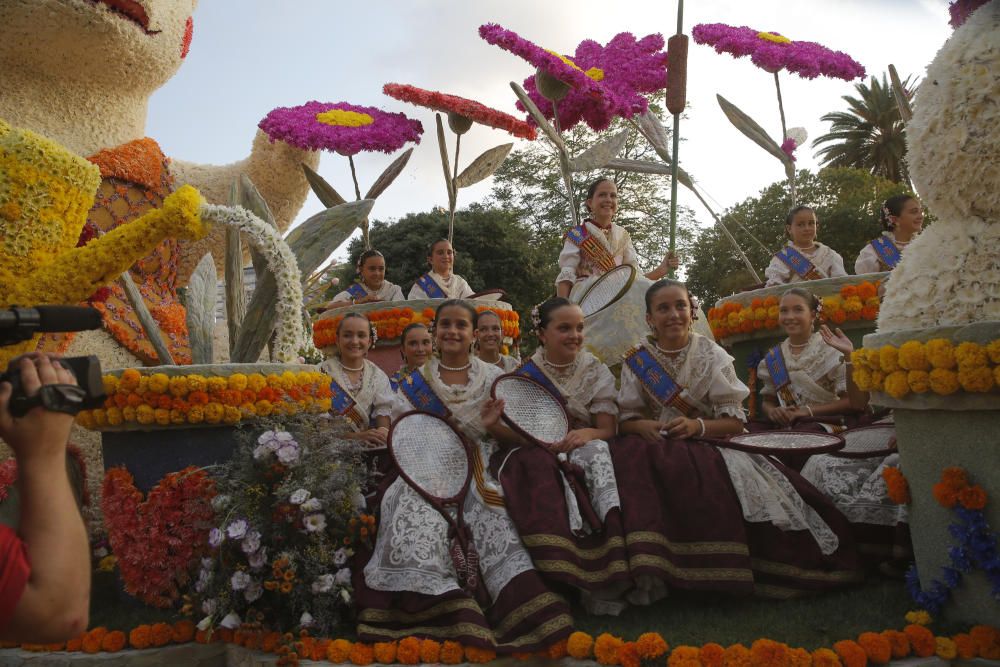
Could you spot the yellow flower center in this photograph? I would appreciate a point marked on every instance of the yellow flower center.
(774, 37)
(595, 73)
(342, 118)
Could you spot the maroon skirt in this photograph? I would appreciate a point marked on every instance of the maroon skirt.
(684, 525)
(533, 488)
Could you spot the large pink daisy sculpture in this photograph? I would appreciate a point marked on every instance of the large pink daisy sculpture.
(462, 114)
(595, 85)
(773, 53)
(346, 129)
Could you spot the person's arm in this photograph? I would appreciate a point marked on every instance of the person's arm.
(839, 341)
(669, 263)
(569, 260)
(777, 273)
(603, 429)
(688, 427)
(56, 600)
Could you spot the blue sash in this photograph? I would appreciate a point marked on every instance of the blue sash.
(342, 404)
(656, 380)
(357, 291)
(397, 378)
(798, 263)
(888, 253)
(430, 287)
(420, 394)
(530, 369)
(775, 362)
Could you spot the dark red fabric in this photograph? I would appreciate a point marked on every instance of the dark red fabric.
(14, 572)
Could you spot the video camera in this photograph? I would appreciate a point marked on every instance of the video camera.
(20, 324)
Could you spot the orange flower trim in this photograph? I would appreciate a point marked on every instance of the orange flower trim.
(853, 303)
(606, 648)
(899, 488)
(580, 645)
(876, 647)
(136, 398)
(390, 322)
(851, 654)
(921, 640)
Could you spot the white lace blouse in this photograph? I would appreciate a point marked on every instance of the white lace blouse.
(388, 292)
(826, 260)
(817, 374)
(705, 371)
(574, 267)
(373, 393)
(587, 385)
(868, 260)
(454, 287)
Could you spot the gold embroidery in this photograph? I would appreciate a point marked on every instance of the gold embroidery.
(690, 573)
(563, 543)
(688, 548)
(564, 567)
(783, 569)
(443, 632)
(392, 616)
(530, 607)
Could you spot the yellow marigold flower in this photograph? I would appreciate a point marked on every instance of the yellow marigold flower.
(853, 305)
(940, 353)
(256, 382)
(888, 358)
(993, 349)
(944, 381)
(130, 379)
(214, 412)
(945, 648)
(858, 357)
(100, 416)
(179, 386)
(231, 415)
(178, 417)
(247, 410)
(238, 381)
(216, 383)
(873, 301)
(996, 376)
(288, 380)
(162, 416)
(862, 378)
(912, 356)
(918, 617)
(128, 413)
(897, 384)
(878, 377)
(86, 419)
(919, 381)
(978, 379)
(110, 383)
(274, 381)
(143, 384)
(196, 383)
(760, 314)
(158, 383)
(144, 414)
(196, 414)
(264, 408)
(971, 355)
(114, 416)
(773, 312)
(831, 303)
(326, 403)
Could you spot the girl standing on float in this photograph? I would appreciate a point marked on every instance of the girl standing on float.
(558, 533)
(440, 282)
(702, 517)
(416, 347)
(803, 258)
(489, 340)
(598, 245)
(371, 284)
(902, 219)
(409, 584)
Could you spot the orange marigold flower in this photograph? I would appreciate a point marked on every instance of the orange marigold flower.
(899, 488)
(362, 654)
(76, 643)
(987, 641)
(91, 644)
(628, 655)
(945, 495)
(711, 654)
(954, 477)
(736, 655)
(385, 652)
(269, 643)
(768, 652)
(921, 640)
(606, 648)
(451, 653)
(651, 645)
(851, 654)
(160, 634)
(877, 647)
(338, 651)
(183, 632)
(430, 650)
(408, 651)
(139, 637)
(972, 497)
(965, 648)
(799, 657)
(824, 657)
(685, 656)
(579, 645)
(113, 642)
(479, 655)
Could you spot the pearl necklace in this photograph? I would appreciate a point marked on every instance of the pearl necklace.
(677, 351)
(798, 346)
(456, 369)
(555, 365)
(348, 368)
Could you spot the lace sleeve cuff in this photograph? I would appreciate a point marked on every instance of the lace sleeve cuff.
(629, 414)
(730, 410)
(566, 274)
(607, 407)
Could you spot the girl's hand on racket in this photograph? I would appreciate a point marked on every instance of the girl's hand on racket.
(682, 427)
(573, 440)
(377, 437)
(491, 411)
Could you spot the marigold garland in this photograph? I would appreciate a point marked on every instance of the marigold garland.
(606, 648)
(390, 322)
(898, 487)
(685, 656)
(938, 366)
(579, 645)
(651, 645)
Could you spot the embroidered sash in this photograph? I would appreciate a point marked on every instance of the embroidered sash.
(888, 253)
(656, 380)
(344, 405)
(798, 263)
(591, 248)
(414, 386)
(357, 291)
(530, 369)
(775, 362)
(430, 287)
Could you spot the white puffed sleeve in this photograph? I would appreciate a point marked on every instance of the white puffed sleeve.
(384, 395)
(766, 382)
(777, 273)
(631, 399)
(395, 294)
(569, 260)
(629, 255)
(605, 394)
(462, 289)
(342, 296)
(867, 261)
(726, 392)
(834, 264)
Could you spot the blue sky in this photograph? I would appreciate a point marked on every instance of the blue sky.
(250, 56)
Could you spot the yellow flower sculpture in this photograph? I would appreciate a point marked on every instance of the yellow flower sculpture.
(45, 194)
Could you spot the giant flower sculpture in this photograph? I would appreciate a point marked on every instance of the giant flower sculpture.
(346, 129)
(462, 113)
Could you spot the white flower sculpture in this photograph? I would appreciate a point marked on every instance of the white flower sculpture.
(289, 332)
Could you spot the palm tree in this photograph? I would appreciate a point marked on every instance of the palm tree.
(870, 135)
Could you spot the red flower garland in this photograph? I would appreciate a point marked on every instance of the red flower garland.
(461, 106)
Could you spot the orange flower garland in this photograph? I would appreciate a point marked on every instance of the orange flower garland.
(921, 640)
(390, 322)
(899, 488)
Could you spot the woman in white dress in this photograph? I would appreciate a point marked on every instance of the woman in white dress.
(902, 219)
(371, 284)
(489, 339)
(440, 282)
(704, 517)
(409, 585)
(803, 258)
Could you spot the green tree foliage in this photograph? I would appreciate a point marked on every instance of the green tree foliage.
(846, 201)
(530, 184)
(870, 135)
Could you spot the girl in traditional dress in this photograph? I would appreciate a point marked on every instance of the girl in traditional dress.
(409, 585)
(489, 339)
(577, 546)
(902, 219)
(362, 397)
(803, 258)
(371, 284)
(598, 244)
(416, 347)
(702, 517)
(440, 282)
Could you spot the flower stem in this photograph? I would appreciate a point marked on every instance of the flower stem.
(564, 167)
(784, 134)
(357, 193)
(454, 188)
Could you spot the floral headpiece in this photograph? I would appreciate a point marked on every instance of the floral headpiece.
(536, 318)
(695, 306)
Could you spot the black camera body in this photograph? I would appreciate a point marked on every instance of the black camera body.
(87, 371)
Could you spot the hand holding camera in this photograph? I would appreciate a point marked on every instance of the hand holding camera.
(38, 430)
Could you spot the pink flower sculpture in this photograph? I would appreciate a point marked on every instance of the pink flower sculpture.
(960, 10)
(341, 127)
(462, 106)
(540, 58)
(773, 52)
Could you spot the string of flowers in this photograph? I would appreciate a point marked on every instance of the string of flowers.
(937, 366)
(289, 334)
(390, 322)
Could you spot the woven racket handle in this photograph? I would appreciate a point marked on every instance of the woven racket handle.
(459, 560)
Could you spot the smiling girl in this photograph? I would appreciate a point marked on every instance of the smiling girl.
(902, 219)
(489, 340)
(371, 284)
(440, 282)
(803, 258)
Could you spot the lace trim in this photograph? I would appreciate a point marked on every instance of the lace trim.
(587, 382)
(857, 488)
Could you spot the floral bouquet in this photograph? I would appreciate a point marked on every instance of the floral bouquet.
(288, 512)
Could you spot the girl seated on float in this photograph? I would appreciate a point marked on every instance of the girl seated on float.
(409, 585)
(803, 258)
(415, 346)
(902, 219)
(577, 546)
(597, 245)
(361, 395)
(440, 282)
(704, 517)
(371, 284)
(489, 339)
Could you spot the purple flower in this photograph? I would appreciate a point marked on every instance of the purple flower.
(239, 581)
(254, 591)
(251, 542)
(960, 10)
(257, 559)
(215, 538)
(540, 58)
(237, 529)
(773, 52)
(629, 68)
(341, 127)
(289, 453)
